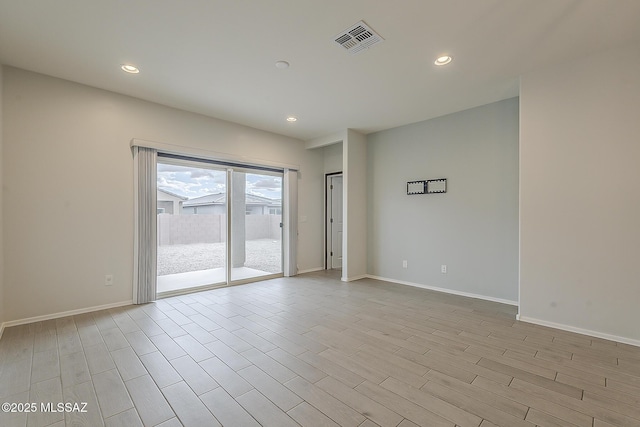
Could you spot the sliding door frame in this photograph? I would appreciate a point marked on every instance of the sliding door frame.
(289, 201)
(229, 168)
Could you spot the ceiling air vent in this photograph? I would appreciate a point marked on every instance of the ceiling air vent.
(357, 38)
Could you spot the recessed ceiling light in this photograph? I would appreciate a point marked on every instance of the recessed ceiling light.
(282, 64)
(292, 119)
(131, 69)
(443, 60)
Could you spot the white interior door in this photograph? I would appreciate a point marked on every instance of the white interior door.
(335, 222)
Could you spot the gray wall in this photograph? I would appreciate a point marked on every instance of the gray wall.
(580, 195)
(473, 228)
(333, 158)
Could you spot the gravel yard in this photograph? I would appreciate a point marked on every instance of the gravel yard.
(262, 254)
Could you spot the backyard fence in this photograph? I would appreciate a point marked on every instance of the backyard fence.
(205, 228)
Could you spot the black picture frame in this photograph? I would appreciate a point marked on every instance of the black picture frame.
(434, 186)
(416, 187)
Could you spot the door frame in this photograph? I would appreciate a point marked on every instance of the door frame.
(327, 215)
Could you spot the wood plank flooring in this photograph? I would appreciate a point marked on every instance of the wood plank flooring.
(315, 351)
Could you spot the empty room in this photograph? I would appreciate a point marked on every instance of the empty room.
(282, 213)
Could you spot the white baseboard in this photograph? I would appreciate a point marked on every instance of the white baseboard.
(446, 291)
(310, 270)
(580, 331)
(351, 279)
(64, 314)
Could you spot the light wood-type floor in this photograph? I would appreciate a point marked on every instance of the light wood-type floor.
(315, 351)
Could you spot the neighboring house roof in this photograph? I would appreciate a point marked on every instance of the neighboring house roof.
(221, 199)
(253, 199)
(209, 199)
(172, 194)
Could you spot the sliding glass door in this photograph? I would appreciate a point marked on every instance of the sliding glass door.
(216, 224)
(192, 222)
(256, 227)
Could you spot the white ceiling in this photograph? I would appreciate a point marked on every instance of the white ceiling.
(218, 57)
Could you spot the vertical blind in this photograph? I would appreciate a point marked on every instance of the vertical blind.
(290, 222)
(145, 237)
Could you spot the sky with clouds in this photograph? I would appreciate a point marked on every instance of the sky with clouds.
(194, 182)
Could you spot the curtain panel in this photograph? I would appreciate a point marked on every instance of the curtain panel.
(290, 222)
(145, 237)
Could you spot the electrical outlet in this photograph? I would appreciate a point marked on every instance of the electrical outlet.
(108, 280)
(443, 269)
(404, 263)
